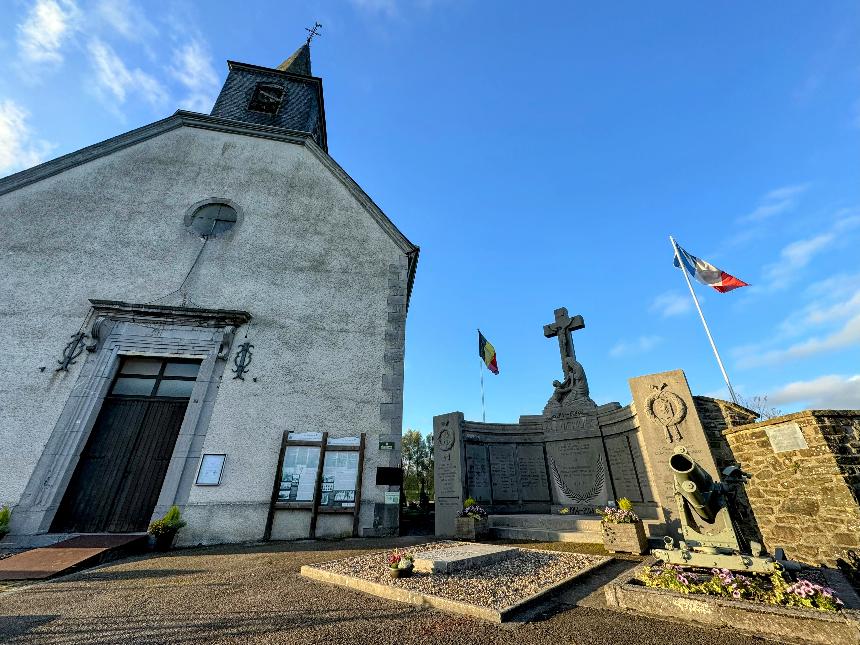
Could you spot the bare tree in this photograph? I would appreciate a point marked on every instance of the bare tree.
(759, 405)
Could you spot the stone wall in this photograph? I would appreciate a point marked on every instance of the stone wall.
(805, 499)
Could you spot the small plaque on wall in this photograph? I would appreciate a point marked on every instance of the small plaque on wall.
(786, 437)
(386, 445)
(392, 498)
(209, 473)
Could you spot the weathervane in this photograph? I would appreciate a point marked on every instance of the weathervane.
(313, 32)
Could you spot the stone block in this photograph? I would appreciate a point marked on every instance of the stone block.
(463, 556)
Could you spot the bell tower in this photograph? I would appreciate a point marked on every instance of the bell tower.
(286, 96)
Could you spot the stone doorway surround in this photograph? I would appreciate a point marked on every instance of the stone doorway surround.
(127, 329)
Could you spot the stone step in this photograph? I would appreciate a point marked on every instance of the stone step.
(547, 522)
(546, 535)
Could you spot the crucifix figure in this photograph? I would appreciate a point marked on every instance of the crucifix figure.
(574, 382)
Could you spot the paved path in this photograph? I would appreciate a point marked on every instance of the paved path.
(254, 594)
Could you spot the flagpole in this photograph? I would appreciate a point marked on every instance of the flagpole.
(702, 316)
(483, 409)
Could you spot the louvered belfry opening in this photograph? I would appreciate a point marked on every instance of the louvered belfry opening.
(118, 478)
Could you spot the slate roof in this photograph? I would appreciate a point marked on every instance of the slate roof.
(299, 62)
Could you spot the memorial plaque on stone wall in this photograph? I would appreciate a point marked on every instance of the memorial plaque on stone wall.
(478, 473)
(534, 486)
(785, 437)
(622, 468)
(503, 471)
(578, 471)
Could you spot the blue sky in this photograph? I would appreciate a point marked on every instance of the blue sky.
(540, 155)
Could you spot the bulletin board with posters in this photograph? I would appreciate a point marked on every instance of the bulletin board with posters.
(318, 474)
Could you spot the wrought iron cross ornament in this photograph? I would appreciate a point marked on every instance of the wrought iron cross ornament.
(242, 360)
(71, 352)
(314, 31)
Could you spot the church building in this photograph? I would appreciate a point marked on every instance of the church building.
(206, 312)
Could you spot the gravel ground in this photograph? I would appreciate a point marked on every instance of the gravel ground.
(498, 585)
(254, 594)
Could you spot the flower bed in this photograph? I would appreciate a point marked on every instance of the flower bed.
(773, 589)
(796, 624)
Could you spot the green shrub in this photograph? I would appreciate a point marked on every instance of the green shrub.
(5, 517)
(170, 523)
(470, 501)
(625, 504)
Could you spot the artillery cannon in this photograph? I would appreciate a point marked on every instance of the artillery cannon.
(711, 538)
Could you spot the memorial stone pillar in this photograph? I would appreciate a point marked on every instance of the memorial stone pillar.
(668, 418)
(449, 470)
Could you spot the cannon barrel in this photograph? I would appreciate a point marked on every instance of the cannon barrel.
(695, 485)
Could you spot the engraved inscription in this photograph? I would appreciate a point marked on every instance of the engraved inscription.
(622, 469)
(579, 474)
(478, 473)
(503, 471)
(533, 483)
(786, 437)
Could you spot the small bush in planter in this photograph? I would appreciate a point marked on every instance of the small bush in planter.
(621, 514)
(622, 529)
(471, 521)
(5, 517)
(165, 529)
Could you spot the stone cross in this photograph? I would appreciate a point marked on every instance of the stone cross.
(562, 328)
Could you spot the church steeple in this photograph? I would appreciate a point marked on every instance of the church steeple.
(287, 96)
(299, 62)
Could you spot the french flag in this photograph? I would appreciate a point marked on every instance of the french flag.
(707, 273)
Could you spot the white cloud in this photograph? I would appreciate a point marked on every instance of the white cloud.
(115, 79)
(832, 314)
(775, 202)
(18, 148)
(192, 67)
(672, 303)
(847, 335)
(638, 346)
(44, 31)
(796, 256)
(825, 392)
(127, 19)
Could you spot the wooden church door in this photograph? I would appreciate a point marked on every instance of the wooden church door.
(119, 476)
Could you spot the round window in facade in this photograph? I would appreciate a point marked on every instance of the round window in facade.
(213, 219)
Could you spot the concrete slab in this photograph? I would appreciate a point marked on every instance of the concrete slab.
(70, 555)
(463, 556)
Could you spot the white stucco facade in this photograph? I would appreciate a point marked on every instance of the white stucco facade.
(321, 271)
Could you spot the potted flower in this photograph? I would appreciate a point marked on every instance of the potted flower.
(399, 564)
(622, 529)
(164, 530)
(5, 517)
(472, 523)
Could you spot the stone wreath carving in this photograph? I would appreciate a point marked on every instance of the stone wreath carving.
(445, 440)
(666, 408)
(588, 496)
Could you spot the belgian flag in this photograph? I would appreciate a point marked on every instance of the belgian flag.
(487, 353)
